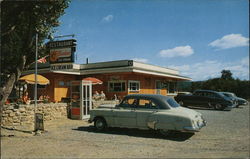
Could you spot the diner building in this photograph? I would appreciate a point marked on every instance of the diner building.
(119, 78)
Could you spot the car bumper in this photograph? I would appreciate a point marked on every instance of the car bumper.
(243, 103)
(230, 107)
(90, 121)
(195, 128)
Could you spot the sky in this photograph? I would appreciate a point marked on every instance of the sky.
(199, 38)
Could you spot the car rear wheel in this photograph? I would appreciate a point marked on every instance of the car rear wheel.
(218, 106)
(100, 124)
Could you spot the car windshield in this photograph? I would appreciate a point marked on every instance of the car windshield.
(233, 95)
(172, 103)
(228, 94)
(222, 95)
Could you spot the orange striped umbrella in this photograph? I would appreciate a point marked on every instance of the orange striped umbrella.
(93, 80)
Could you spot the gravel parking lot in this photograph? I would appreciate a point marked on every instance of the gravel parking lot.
(225, 136)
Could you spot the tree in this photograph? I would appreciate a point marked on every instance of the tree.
(226, 74)
(20, 21)
(226, 84)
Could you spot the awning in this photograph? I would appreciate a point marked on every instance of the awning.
(31, 79)
(93, 80)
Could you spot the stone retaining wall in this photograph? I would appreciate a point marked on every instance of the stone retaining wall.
(14, 115)
(20, 115)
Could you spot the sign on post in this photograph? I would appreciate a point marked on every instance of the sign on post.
(39, 122)
(62, 51)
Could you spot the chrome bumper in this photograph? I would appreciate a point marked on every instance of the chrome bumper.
(195, 128)
(230, 107)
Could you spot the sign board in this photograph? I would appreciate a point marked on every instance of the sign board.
(61, 55)
(39, 122)
(62, 51)
(61, 67)
(61, 43)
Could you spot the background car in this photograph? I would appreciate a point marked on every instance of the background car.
(240, 101)
(146, 111)
(206, 98)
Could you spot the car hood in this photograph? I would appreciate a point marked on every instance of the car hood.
(186, 112)
(241, 99)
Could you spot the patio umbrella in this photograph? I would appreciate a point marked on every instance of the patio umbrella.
(31, 79)
(93, 80)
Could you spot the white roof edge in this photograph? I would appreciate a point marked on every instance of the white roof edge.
(153, 68)
(162, 74)
(116, 66)
(67, 72)
(156, 66)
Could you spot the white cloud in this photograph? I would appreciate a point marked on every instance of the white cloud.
(177, 51)
(212, 69)
(140, 60)
(245, 61)
(108, 18)
(230, 41)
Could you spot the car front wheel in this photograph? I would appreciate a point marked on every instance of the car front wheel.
(100, 124)
(218, 106)
(181, 103)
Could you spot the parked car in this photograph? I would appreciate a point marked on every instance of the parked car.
(240, 101)
(184, 93)
(206, 98)
(147, 111)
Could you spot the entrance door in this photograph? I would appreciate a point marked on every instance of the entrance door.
(86, 99)
(81, 99)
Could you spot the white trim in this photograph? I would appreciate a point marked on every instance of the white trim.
(154, 68)
(161, 74)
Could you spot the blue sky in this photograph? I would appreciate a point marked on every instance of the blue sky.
(197, 37)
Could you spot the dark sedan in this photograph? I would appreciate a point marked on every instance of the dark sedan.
(206, 98)
(240, 101)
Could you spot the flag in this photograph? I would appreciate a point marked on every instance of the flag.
(42, 60)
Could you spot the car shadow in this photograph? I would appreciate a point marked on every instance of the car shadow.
(203, 108)
(174, 136)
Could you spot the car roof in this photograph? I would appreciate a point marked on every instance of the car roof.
(227, 92)
(158, 99)
(206, 91)
(155, 96)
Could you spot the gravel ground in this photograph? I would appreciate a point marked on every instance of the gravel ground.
(225, 136)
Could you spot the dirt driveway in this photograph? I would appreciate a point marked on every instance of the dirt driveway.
(225, 136)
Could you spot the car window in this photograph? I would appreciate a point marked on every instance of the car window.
(172, 103)
(130, 102)
(209, 94)
(198, 93)
(226, 94)
(146, 103)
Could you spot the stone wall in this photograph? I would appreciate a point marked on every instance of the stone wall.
(21, 115)
(15, 116)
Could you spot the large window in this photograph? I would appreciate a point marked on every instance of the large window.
(171, 86)
(134, 86)
(117, 86)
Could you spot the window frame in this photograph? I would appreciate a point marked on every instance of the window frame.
(120, 81)
(133, 81)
